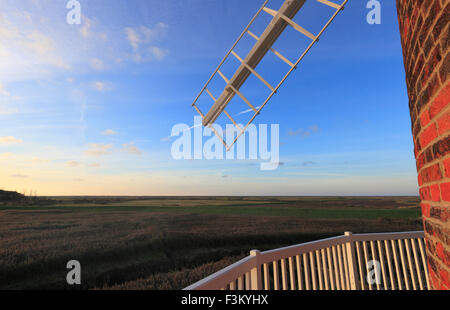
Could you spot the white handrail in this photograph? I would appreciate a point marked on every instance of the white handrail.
(316, 260)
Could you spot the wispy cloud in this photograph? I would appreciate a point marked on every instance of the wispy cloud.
(3, 91)
(87, 31)
(72, 164)
(142, 40)
(18, 175)
(309, 163)
(98, 149)
(109, 132)
(97, 64)
(37, 160)
(94, 165)
(130, 148)
(302, 132)
(246, 111)
(101, 86)
(29, 50)
(10, 140)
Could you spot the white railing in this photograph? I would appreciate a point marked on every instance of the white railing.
(383, 261)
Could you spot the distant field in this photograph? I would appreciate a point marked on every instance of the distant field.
(171, 242)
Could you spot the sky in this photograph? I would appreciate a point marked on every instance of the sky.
(89, 109)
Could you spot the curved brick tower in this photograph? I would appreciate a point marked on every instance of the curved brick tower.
(425, 35)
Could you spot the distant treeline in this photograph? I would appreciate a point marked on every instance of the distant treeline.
(15, 198)
(7, 196)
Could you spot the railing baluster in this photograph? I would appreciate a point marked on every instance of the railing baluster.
(324, 269)
(266, 277)
(402, 257)
(313, 271)
(424, 261)
(299, 273)
(346, 269)
(360, 266)
(232, 286)
(416, 261)
(389, 260)
(306, 266)
(397, 265)
(241, 283)
(366, 262)
(248, 285)
(383, 269)
(330, 269)
(276, 276)
(291, 273)
(327, 265)
(377, 272)
(284, 274)
(341, 267)
(336, 268)
(411, 269)
(319, 270)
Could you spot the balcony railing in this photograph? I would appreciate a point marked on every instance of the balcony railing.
(383, 261)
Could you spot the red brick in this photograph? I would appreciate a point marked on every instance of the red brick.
(425, 193)
(425, 36)
(445, 278)
(425, 118)
(428, 135)
(442, 253)
(430, 174)
(445, 191)
(447, 167)
(440, 213)
(425, 209)
(441, 101)
(444, 123)
(435, 193)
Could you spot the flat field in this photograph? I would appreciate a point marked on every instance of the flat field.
(171, 242)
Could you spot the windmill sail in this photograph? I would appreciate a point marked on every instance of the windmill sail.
(280, 20)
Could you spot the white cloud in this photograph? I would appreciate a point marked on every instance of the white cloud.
(132, 37)
(101, 86)
(72, 164)
(142, 41)
(18, 175)
(94, 165)
(4, 156)
(37, 160)
(131, 149)
(87, 31)
(158, 53)
(42, 45)
(29, 50)
(7, 110)
(9, 140)
(98, 149)
(246, 111)
(109, 132)
(3, 91)
(97, 64)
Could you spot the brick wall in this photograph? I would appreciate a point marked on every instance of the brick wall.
(425, 35)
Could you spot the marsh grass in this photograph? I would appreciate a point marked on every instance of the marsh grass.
(170, 243)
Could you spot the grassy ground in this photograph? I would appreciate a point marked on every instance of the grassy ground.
(171, 242)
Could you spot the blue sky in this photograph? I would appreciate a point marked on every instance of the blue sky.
(87, 109)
